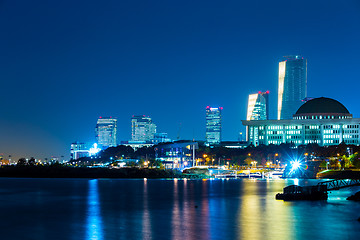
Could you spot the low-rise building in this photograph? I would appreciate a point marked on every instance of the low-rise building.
(234, 144)
(324, 121)
(176, 155)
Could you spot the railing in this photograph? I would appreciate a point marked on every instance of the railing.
(340, 183)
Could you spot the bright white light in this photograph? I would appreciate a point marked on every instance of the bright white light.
(295, 165)
(296, 181)
(94, 150)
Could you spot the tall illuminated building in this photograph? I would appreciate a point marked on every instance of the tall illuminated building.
(258, 106)
(105, 131)
(292, 86)
(213, 125)
(142, 128)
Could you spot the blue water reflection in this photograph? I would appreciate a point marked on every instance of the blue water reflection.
(94, 218)
(146, 220)
(170, 209)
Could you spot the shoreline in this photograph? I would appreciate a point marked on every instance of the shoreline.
(339, 174)
(52, 171)
(91, 173)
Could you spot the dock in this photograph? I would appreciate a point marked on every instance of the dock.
(317, 192)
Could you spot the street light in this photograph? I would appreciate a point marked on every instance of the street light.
(268, 164)
(254, 163)
(275, 156)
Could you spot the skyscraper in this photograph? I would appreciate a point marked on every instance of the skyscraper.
(213, 125)
(292, 85)
(258, 106)
(142, 128)
(105, 130)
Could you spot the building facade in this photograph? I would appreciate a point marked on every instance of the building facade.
(161, 138)
(292, 87)
(106, 131)
(234, 144)
(258, 106)
(323, 121)
(177, 155)
(79, 150)
(213, 125)
(142, 129)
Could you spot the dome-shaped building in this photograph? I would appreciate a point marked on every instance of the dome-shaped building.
(324, 121)
(322, 108)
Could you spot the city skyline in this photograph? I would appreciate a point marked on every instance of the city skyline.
(64, 64)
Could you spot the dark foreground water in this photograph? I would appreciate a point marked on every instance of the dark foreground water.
(169, 209)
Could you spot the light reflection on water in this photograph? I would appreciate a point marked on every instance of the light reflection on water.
(146, 220)
(175, 216)
(94, 221)
(170, 209)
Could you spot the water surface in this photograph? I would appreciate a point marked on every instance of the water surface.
(170, 209)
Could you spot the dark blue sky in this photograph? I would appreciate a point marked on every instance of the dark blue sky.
(65, 63)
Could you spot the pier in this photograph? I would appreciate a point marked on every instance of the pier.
(316, 192)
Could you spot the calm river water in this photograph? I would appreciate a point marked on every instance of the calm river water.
(170, 209)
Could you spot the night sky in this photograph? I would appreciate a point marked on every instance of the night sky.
(65, 63)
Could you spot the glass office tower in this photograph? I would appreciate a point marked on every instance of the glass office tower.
(258, 106)
(292, 86)
(213, 125)
(142, 128)
(105, 131)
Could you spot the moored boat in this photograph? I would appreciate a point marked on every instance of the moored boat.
(295, 192)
